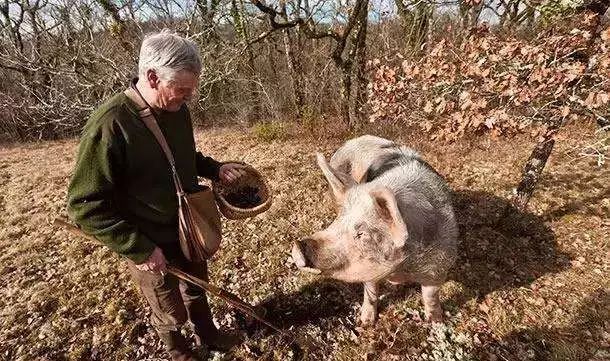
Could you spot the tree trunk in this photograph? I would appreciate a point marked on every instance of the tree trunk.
(296, 75)
(534, 167)
(346, 87)
(360, 76)
(421, 25)
(250, 71)
(470, 14)
(252, 78)
(351, 75)
(406, 19)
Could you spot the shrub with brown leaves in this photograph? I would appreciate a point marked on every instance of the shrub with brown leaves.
(491, 83)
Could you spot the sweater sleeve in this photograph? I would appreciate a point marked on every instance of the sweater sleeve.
(207, 167)
(93, 190)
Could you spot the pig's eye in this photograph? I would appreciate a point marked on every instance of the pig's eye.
(360, 232)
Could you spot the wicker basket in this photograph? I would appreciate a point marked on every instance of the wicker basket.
(252, 178)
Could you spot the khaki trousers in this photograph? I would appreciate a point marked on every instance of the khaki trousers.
(174, 301)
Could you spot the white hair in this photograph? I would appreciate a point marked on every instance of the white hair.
(167, 53)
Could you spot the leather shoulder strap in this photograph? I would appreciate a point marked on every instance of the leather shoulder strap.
(148, 118)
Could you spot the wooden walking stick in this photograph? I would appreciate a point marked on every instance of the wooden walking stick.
(226, 296)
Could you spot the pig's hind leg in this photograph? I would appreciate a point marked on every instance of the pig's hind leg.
(432, 304)
(368, 310)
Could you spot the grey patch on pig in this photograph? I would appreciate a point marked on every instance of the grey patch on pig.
(382, 165)
(371, 149)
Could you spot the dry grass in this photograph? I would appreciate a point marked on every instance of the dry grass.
(535, 287)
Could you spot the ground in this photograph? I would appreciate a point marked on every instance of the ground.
(532, 286)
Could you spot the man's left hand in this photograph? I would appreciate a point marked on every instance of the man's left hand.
(230, 172)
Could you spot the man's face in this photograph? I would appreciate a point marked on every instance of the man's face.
(172, 94)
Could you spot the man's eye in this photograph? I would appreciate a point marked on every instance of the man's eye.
(359, 234)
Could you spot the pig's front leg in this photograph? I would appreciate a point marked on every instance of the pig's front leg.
(368, 311)
(432, 305)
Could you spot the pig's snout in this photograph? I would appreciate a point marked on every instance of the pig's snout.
(298, 254)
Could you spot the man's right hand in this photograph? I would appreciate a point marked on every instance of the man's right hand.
(155, 263)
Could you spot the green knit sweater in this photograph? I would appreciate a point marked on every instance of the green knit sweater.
(122, 191)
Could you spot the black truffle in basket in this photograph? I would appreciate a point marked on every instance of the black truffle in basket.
(246, 197)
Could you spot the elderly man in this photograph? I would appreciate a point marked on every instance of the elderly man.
(123, 194)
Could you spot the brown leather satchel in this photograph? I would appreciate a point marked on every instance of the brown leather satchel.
(199, 225)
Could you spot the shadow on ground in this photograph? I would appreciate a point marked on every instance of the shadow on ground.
(584, 339)
(500, 248)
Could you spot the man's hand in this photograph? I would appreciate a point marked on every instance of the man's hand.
(229, 172)
(155, 263)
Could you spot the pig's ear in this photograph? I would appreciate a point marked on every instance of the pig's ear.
(387, 208)
(339, 183)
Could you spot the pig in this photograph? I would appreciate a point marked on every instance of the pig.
(395, 222)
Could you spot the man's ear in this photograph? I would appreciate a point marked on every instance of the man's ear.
(152, 78)
(387, 209)
(339, 183)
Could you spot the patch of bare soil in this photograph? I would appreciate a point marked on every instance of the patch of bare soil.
(534, 286)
